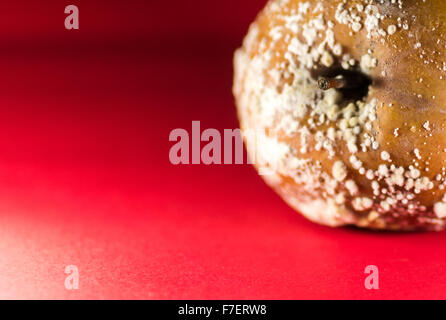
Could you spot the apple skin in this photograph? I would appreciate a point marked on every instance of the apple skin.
(407, 83)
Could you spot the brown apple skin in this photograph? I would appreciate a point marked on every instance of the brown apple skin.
(408, 86)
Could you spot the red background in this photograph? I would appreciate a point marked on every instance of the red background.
(85, 177)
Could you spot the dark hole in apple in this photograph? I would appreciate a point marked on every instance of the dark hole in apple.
(356, 82)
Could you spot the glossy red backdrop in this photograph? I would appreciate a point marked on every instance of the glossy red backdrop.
(85, 177)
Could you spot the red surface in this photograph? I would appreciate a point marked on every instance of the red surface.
(85, 177)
